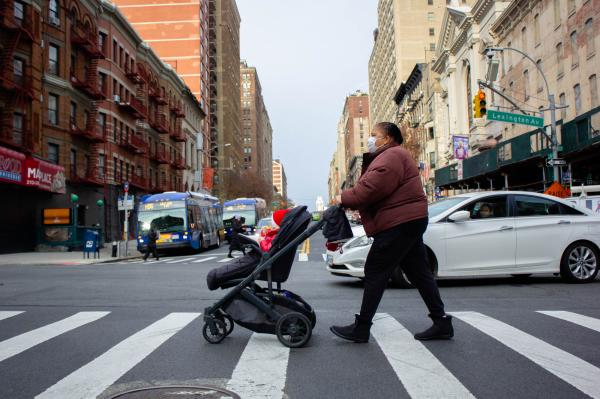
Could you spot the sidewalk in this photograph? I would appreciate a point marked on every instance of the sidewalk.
(66, 258)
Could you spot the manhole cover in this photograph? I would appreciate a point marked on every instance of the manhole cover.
(178, 392)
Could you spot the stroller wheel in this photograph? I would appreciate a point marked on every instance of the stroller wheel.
(216, 334)
(293, 330)
(228, 320)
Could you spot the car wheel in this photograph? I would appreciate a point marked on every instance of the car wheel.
(399, 279)
(579, 263)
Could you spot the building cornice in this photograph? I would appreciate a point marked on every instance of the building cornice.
(512, 15)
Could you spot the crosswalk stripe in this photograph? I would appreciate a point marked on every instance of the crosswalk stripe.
(180, 260)
(14, 346)
(136, 261)
(212, 254)
(6, 314)
(225, 260)
(571, 369)
(92, 379)
(262, 368)
(421, 373)
(303, 257)
(204, 259)
(581, 320)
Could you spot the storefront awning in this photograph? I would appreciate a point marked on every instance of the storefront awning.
(19, 169)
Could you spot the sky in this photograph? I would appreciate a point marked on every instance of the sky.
(310, 54)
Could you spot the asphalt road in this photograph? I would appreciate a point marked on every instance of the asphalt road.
(96, 330)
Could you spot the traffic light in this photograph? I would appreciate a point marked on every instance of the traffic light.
(479, 105)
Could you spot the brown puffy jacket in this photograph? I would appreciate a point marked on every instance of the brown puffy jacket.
(389, 192)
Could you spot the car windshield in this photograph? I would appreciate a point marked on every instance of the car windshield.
(164, 220)
(248, 215)
(265, 222)
(438, 207)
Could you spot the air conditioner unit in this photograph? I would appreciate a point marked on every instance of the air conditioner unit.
(116, 98)
(54, 20)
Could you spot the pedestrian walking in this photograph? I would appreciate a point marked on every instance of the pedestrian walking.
(393, 208)
(152, 238)
(236, 229)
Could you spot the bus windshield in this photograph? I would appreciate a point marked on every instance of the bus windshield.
(164, 220)
(249, 215)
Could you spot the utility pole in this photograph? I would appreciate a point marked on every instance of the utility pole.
(552, 105)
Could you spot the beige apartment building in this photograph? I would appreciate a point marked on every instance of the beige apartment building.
(406, 35)
(256, 129)
(561, 37)
(178, 32)
(279, 179)
(225, 105)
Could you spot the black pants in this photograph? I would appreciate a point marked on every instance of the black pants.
(401, 245)
(151, 249)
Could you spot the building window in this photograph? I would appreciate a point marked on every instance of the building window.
(524, 39)
(19, 10)
(101, 163)
(53, 109)
(431, 133)
(53, 59)
(431, 31)
(574, 50)
(429, 2)
(431, 46)
(562, 100)
(73, 112)
(17, 127)
(102, 123)
(557, 12)
(431, 16)
(590, 37)
(102, 41)
(53, 12)
(18, 66)
(53, 153)
(115, 163)
(577, 92)
(570, 6)
(73, 161)
(536, 29)
(73, 61)
(115, 51)
(559, 59)
(432, 160)
(525, 82)
(593, 91)
(540, 80)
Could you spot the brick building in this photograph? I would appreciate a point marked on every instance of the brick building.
(280, 179)
(256, 128)
(178, 32)
(87, 106)
(355, 121)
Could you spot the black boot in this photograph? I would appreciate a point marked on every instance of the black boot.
(357, 331)
(441, 329)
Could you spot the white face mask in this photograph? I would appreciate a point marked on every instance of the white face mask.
(371, 144)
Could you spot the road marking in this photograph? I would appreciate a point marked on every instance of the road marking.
(136, 261)
(324, 257)
(92, 379)
(217, 254)
(571, 369)
(14, 346)
(204, 259)
(262, 368)
(581, 320)
(421, 373)
(180, 260)
(7, 314)
(225, 260)
(303, 257)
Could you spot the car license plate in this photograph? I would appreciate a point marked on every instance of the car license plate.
(329, 260)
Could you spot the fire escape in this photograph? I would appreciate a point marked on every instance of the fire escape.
(17, 26)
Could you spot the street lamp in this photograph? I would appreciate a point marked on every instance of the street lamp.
(552, 108)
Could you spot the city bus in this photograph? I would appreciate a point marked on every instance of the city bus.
(251, 210)
(183, 220)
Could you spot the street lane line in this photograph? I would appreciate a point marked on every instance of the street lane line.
(204, 260)
(20, 343)
(571, 369)
(580, 320)
(180, 260)
(92, 379)
(262, 369)
(7, 314)
(303, 257)
(421, 373)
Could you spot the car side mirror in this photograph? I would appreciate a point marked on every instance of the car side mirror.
(460, 216)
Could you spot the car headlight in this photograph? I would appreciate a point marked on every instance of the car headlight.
(361, 241)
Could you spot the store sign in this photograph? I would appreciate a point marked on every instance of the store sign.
(209, 174)
(12, 164)
(45, 176)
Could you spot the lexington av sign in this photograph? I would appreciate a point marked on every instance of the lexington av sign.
(519, 119)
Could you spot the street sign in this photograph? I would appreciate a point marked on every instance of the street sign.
(124, 205)
(519, 119)
(556, 162)
(126, 186)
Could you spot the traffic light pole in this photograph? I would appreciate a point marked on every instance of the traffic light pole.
(551, 108)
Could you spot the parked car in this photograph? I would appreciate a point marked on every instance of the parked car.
(497, 233)
(262, 224)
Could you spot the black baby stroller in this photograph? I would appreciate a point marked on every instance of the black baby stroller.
(264, 310)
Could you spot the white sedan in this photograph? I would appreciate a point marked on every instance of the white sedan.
(496, 233)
